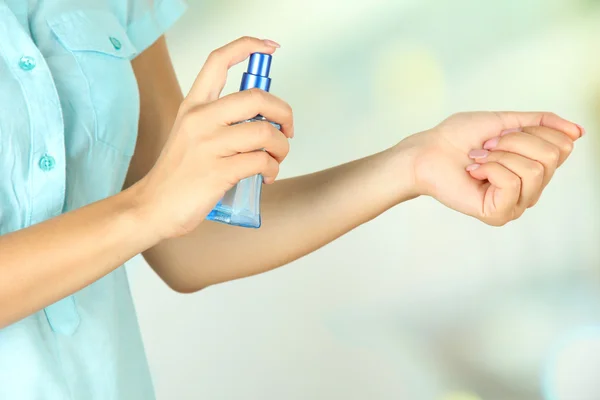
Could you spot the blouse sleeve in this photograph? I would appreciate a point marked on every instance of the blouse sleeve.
(147, 20)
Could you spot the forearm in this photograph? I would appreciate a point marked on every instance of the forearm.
(300, 215)
(41, 264)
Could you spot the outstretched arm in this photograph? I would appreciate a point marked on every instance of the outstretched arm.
(302, 214)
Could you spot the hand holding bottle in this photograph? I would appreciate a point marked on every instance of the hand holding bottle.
(490, 165)
(206, 155)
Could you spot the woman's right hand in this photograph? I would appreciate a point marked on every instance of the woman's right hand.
(205, 154)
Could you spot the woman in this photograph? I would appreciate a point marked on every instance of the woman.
(103, 158)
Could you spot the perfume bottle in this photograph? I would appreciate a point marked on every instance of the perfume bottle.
(241, 204)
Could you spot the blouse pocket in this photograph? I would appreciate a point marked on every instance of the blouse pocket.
(102, 51)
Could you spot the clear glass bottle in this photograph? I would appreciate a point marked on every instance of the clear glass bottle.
(241, 204)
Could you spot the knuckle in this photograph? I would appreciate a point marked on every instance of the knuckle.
(274, 168)
(497, 222)
(188, 105)
(553, 154)
(289, 112)
(246, 39)
(498, 115)
(185, 106)
(185, 116)
(189, 114)
(537, 169)
(263, 159)
(567, 146)
(533, 203)
(215, 54)
(501, 222)
(506, 217)
(189, 109)
(262, 130)
(286, 149)
(273, 172)
(518, 213)
(256, 94)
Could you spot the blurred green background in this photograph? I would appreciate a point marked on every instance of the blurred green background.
(422, 303)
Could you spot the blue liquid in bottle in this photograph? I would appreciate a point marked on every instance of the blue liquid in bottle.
(241, 204)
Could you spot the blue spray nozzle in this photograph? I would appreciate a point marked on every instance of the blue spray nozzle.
(257, 74)
(259, 64)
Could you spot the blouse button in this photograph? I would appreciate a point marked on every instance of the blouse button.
(116, 43)
(47, 163)
(27, 63)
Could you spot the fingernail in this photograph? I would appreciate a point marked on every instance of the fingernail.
(581, 129)
(272, 43)
(492, 143)
(507, 131)
(478, 153)
(473, 167)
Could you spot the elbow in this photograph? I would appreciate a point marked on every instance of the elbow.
(178, 279)
(184, 287)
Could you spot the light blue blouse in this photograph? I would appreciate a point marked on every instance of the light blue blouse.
(69, 109)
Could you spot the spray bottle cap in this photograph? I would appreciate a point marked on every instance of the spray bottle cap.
(257, 74)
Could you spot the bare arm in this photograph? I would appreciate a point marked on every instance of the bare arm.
(299, 215)
(489, 165)
(41, 264)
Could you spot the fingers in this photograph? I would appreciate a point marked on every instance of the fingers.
(251, 136)
(529, 146)
(240, 106)
(211, 79)
(245, 165)
(513, 120)
(562, 141)
(502, 195)
(529, 171)
(250, 103)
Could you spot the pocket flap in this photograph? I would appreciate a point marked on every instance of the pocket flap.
(92, 31)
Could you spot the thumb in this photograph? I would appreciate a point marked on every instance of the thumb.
(212, 77)
(501, 196)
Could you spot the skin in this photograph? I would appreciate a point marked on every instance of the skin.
(488, 165)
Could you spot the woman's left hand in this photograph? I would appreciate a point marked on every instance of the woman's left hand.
(490, 165)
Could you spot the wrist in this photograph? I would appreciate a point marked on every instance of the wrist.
(143, 213)
(400, 171)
